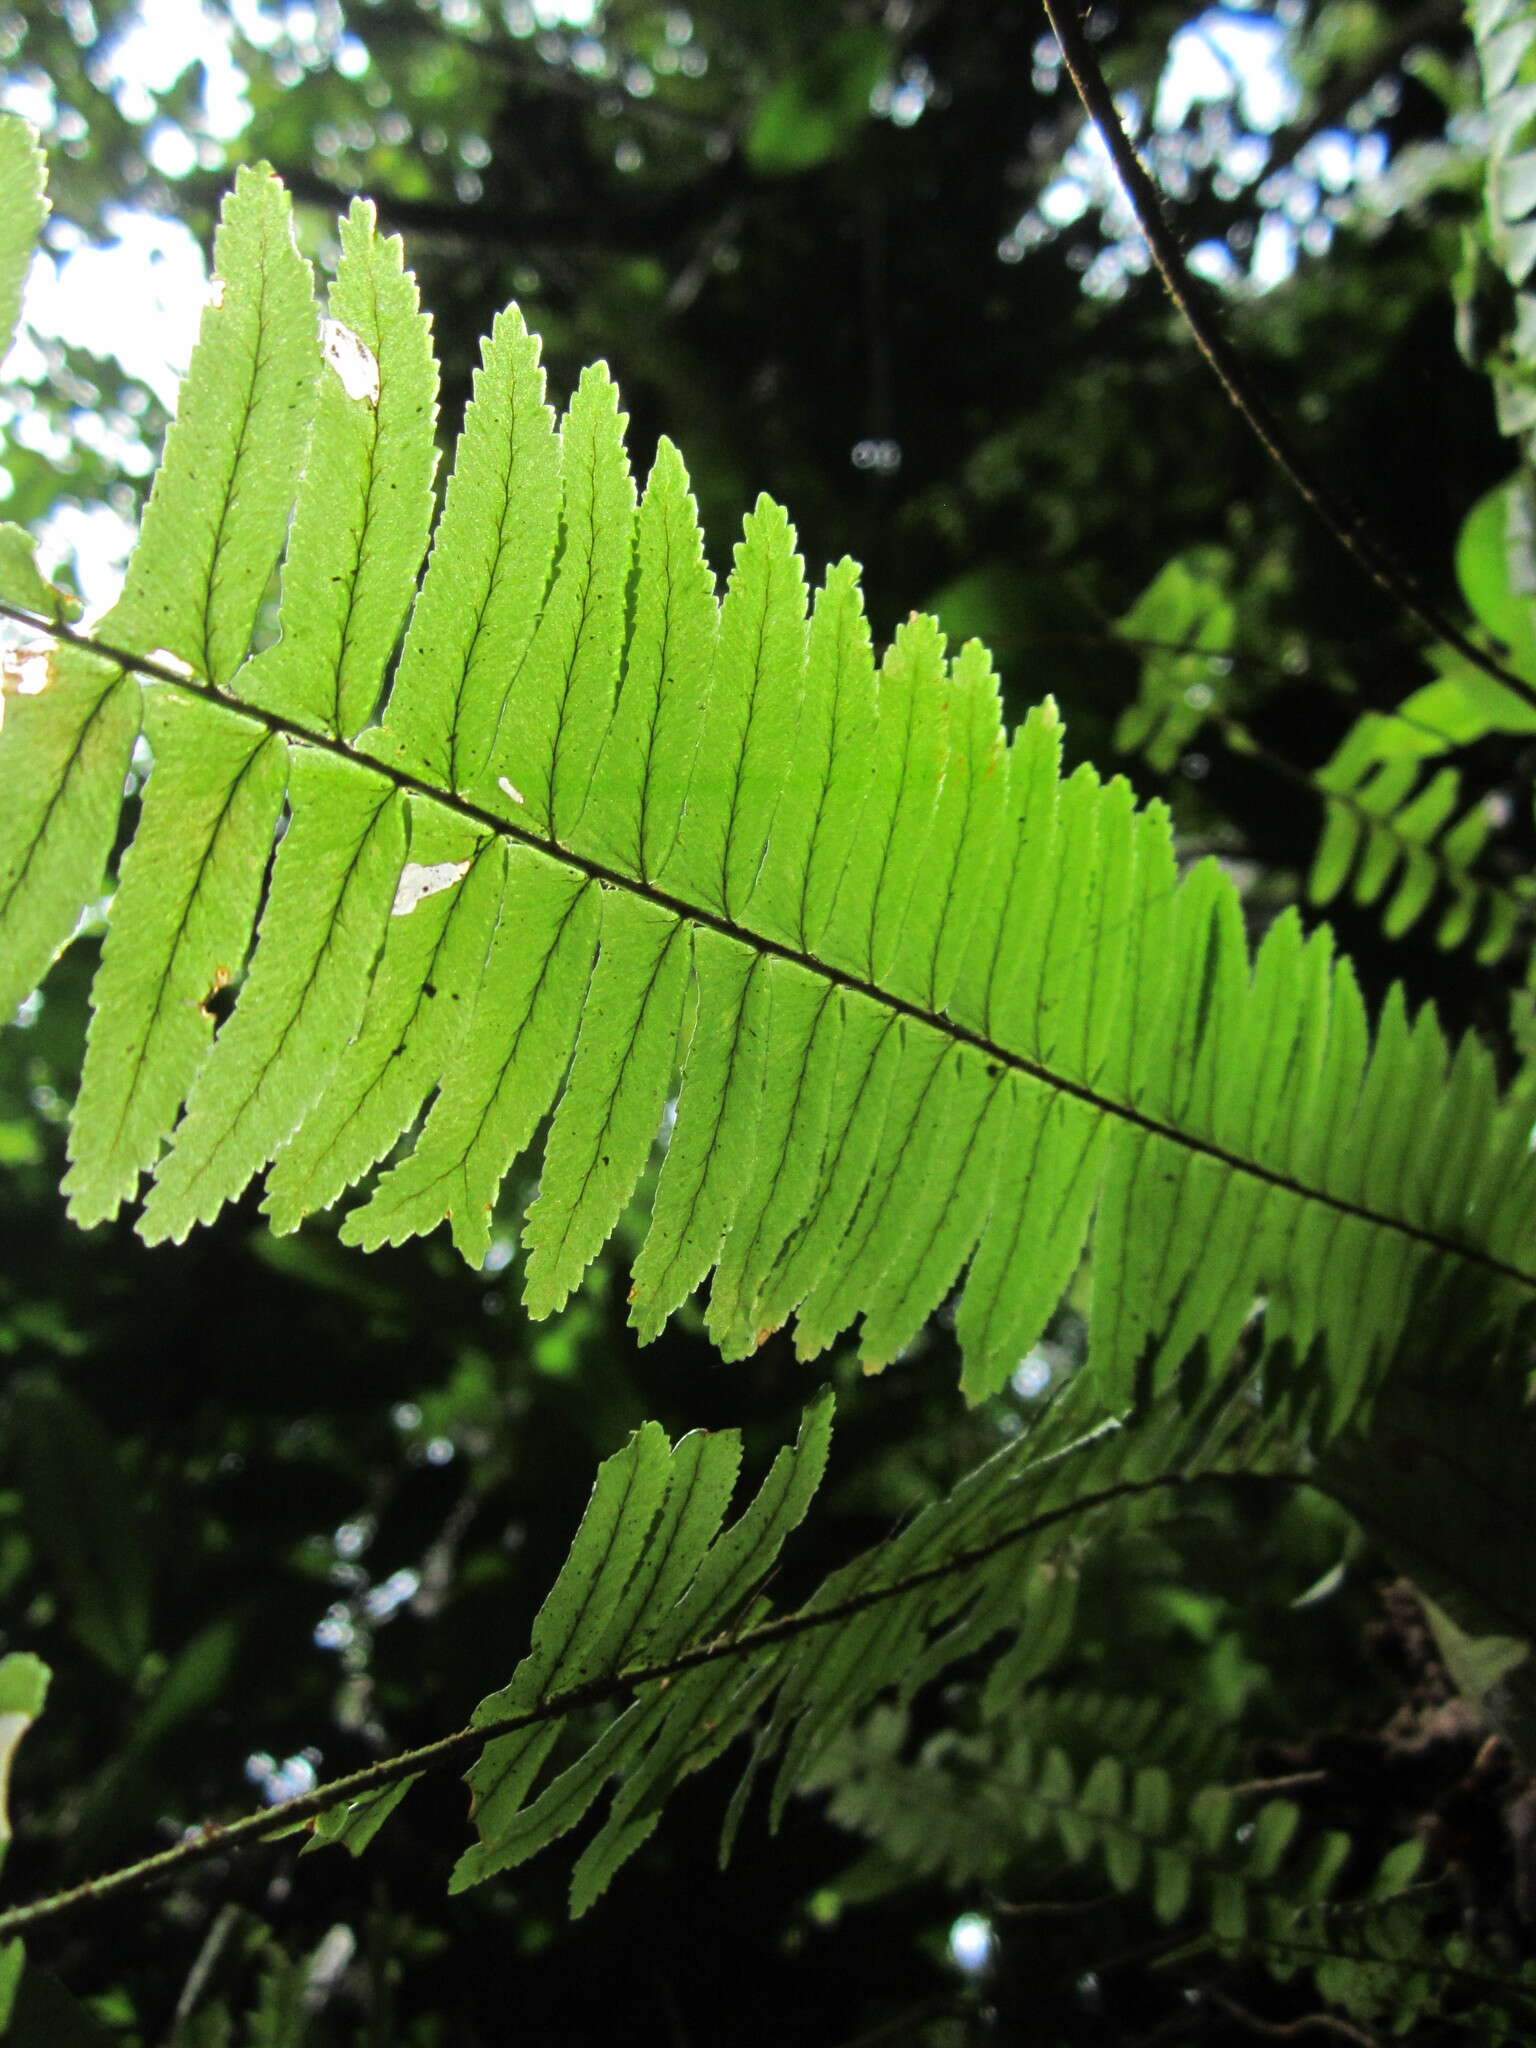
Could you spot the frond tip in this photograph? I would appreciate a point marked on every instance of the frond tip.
(941, 1015)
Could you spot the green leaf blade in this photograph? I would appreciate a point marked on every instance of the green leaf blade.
(320, 936)
(508, 1067)
(613, 1099)
(713, 1141)
(557, 711)
(220, 503)
(365, 501)
(629, 819)
(473, 623)
(64, 752)
(829, 771)
(440, 928)
(749, 728)
(180, 930)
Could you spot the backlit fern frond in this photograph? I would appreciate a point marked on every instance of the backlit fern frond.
(1394, 836)
(938, 1010)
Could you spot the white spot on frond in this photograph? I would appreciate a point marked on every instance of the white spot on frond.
(352, 359)
(215, 292)
(418, 881)
(24, 672)
(163, 658)
(503, 783)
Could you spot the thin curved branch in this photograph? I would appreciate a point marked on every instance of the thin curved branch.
(1347, 525)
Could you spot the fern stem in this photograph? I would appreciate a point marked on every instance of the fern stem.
(960, 1034)
(1292, 2030)
(1348, 526)
(213, 1839)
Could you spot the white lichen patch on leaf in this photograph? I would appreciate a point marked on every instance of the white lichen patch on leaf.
(352, 359)
(417, 882)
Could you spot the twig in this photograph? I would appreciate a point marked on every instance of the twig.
(1286, 1784)
(1292, 2030)
(1348, 526)
(1045, 1909)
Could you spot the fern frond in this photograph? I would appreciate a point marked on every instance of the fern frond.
(661, 1601)
(939, 1011)
(1396, 834)
(961, 1811)
(1397, 831)
(1188, 1741)
(1183, 625)
(1377, 1960)
(967, 1810)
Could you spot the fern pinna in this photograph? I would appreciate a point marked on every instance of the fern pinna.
(937, 1010)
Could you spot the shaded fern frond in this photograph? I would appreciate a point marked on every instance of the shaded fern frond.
(1139, 1729)
(1183, 625)
(662, 1600)
(939, 1011)
(961, 1811)
(1250, 1881)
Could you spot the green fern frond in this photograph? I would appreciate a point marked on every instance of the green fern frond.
(1396, 837)
(1376, 1959)
(1393, 835)
(1182, 625)
(662, 1601)
(1137, 1728)
(964, 1810)
(961, 1812)
(939, 1012)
